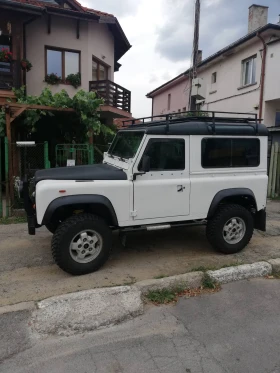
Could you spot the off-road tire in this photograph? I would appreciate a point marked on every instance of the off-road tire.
(52, 227)
(66, 232)
(215, 225)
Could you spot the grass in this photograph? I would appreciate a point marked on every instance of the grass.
(13, 220)
(214, 268)
(165, 296)
(209, 283)
(160, 276)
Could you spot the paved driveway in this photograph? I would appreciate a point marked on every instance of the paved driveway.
(27, 271)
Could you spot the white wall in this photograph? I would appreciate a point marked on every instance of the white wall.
(227, 94)
(272, 73)
(95, 40)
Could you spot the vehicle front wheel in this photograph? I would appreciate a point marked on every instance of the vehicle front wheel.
(230, 229)
(81, 244)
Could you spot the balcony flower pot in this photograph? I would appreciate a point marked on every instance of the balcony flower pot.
(74, 80)
(6, 55)
(25, 65)
(52, 79)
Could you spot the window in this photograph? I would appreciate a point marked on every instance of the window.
(249, 71)
(221, 153)
(166, 154)
(99, 70)
(214, 78)
(62, 62)
(5, 43)
(126, 144)
(169, 101)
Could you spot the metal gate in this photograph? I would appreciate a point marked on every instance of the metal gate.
(73, 154)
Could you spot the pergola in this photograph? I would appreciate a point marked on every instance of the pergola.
(13, 111)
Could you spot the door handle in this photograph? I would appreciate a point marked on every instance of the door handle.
(180, 188)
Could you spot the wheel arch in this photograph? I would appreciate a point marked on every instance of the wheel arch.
(242, 196)
(63, 207)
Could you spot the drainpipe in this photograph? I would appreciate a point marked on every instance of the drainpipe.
(262, 76)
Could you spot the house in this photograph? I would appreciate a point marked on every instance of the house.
(63, 37)
(243, 77)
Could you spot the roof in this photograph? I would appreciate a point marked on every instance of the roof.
(221, 52)
(75, 9)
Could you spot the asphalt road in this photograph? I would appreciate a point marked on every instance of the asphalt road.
(236, 330)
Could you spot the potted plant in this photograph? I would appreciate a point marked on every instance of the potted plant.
(5, 55)
(25, 65)
(74, 80)
(52, 79)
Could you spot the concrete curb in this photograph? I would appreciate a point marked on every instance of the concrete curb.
(191, 280)
(88, 310)
(242, 272)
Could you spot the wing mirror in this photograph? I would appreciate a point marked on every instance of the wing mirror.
(146, 163)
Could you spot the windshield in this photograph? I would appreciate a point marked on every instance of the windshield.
(126, 144)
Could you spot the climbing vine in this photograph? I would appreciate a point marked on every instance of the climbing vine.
(85, 104)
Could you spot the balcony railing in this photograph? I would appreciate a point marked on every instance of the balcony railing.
(11, 79)
(113, 94)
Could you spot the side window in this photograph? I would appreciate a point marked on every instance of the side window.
(165, 154)
(223, 153)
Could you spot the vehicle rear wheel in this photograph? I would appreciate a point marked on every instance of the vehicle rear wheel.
(231, 229)
(81, 244)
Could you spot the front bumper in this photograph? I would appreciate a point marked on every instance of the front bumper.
(29, 208)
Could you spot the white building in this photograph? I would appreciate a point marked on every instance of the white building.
(243, 77)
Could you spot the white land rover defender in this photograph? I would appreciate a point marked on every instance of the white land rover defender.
(180, 171)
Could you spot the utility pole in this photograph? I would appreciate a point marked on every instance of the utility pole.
(193, 73)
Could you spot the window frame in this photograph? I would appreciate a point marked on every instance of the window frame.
(232, 139)
(214, 77)
(62, 50)
(99, 62)
(243, 70)
(169, 101)
(153, 140)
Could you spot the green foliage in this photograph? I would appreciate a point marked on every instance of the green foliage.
(86, 105)
(164, 296)
(208, 282)
(74, 80)
(52, 79)
(26, 65)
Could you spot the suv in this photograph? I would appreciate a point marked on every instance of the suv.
(180, 171)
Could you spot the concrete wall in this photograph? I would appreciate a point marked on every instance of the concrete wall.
(272, 74)
(95, 40)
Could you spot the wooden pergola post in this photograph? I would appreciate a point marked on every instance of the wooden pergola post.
(9, 137)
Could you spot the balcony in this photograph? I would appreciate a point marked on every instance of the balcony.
(117, 100)
(8, 80)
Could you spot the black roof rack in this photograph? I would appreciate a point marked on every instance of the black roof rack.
(212, 117)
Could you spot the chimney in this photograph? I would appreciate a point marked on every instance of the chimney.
(199, 56)
(258, 16)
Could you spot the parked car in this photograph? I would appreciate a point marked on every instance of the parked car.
(168, 172)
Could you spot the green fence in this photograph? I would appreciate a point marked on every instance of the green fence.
(74, 154)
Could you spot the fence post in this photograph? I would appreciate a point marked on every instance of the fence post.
(1, 201)
(90, 154)
(46, 155)
(7, 176)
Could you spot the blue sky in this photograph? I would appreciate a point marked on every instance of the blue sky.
(161, 33)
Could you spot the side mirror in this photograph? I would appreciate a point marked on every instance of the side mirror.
(146, 163)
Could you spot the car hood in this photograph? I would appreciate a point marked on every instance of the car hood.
(89, 172)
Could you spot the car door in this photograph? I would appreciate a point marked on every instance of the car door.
(164, 191)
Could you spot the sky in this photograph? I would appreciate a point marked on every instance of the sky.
(161, 35)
